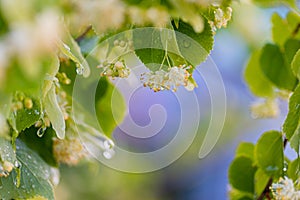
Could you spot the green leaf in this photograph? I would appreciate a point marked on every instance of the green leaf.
(35, 175)
(241, 174)
(239, 195)
(296, 64)
(280, 29)
(291, 123)
(261, 180)
(42, 145)
(291, 47)
(158, 49)
(271, 3)
(245, 149)
(149, 48)
(194, 47)
(24, 118)
(72, 50)
(269, 153)
(293, 169)
(295, 141)
(257, 82)
(22, 77)
(7, 152)
(55, 113)
(275, 67)
(106, 98)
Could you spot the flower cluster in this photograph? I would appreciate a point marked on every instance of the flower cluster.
(284, 190)
(21, 101)
(221, 18)
(170, 80)
(117, 69)
(69, 151)
(268, 108)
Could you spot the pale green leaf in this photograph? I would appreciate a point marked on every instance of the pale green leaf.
(6, 152)
(295, 140)
(72, 50)
(269, 153)
(280, 29)
(55, 113)
(108, 116)
(294, 169)
(271, 3)
(261, 180)
(292, 121)
(296, 64)
(257, 82)
(245, 149)
(194, 47)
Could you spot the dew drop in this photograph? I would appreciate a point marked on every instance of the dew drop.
(186, 43)
(33, 186)
(41, 131)
(17, 164)
(284, 169)
(107, 155)
(79, 70)
(66, 47)
(15, 182)
(108, 144)
(28, 156)
(36, 112)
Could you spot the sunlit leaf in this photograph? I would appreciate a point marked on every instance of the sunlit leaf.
(269, 153)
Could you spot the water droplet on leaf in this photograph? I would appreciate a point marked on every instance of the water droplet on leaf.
(186, 43)
(17, 164)
(79, 70)
(108, 144)
(41, 131)
(107, 155)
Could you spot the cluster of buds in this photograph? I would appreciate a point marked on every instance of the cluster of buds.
(221, 18)
(63, 78)
(170, 80)
(20, 102)
(68, 151)
(124, 43)
(284, 189)
(117, 69)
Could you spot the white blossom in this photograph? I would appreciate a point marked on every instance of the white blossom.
(284, 190)
(117, 69)
(169, 80)
(268, 108)
(221, 18)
